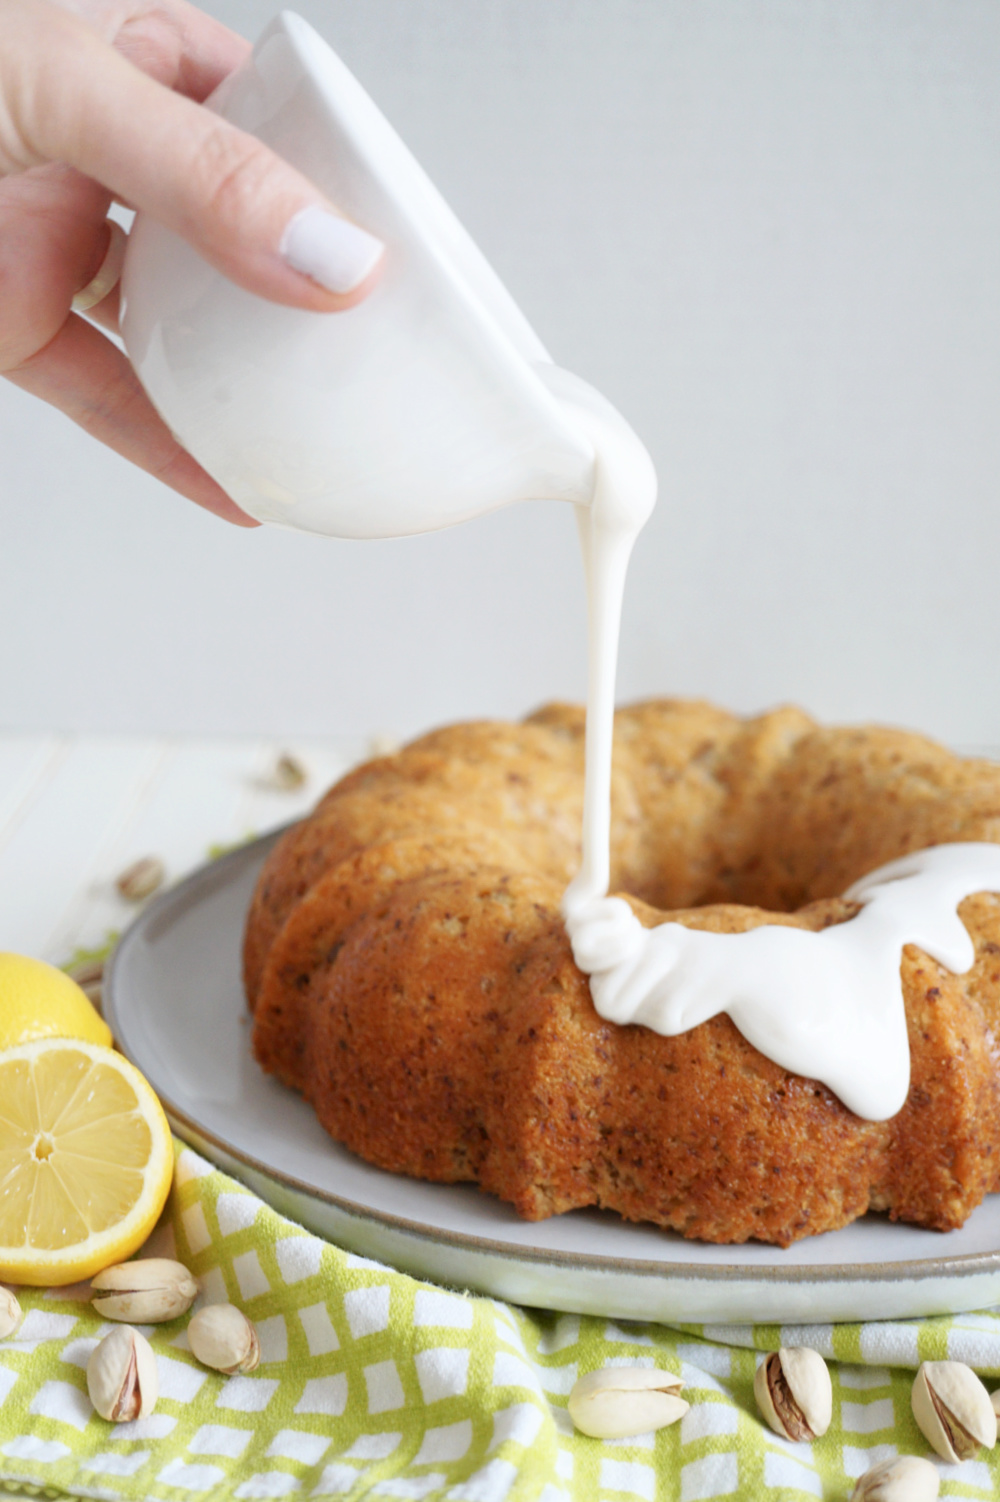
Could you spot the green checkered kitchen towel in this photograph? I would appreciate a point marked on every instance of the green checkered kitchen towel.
(372, 1384)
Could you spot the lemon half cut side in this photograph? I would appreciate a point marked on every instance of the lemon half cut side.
(86, 1160)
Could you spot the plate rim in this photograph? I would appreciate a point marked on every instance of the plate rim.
(188, 890)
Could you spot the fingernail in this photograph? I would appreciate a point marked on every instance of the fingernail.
(333, 251)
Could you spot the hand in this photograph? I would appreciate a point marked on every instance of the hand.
(102, 99)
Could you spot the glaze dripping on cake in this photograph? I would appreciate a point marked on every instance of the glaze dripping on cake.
(410, 970)
(829, 1005)
(411, 975)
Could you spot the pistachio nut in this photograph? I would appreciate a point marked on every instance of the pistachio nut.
(221, 1336)
(141, 879)
(148, 1291)
(953, 1410)
(995, 1400)
(904, 1478)
(384, 743)
(794, 1392)
(621, 1400)
(121, 1376)
(89, 976)
(289, 773)
(10, 1313)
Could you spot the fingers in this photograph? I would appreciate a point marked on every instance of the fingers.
(87, 377)
(75, 99)
(175, 43)
(53, 236)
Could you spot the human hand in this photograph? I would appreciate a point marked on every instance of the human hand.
(102, 99)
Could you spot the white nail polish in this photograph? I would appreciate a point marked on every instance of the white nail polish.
(333, 251)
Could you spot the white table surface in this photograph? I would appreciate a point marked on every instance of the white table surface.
(76, 810)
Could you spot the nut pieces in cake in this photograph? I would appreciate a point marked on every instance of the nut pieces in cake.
(222, 1337)
(10, 1313)
(621, 1400)
(953, 1410)
(121, 1376)
(149, 1291)
(904, 1478)
(794, 1393)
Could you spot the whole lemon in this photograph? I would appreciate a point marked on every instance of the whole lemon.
(39, 1001)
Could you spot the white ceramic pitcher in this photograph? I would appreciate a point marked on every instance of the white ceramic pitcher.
(431, 402)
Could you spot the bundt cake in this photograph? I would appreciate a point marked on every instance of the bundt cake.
(409, 971)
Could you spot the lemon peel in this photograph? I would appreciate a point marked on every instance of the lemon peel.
(39, 1001)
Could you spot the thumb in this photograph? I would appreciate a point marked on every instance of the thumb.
(74, 98)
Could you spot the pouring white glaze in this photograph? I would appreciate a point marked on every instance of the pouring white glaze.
(828, 1005)
(441, 352)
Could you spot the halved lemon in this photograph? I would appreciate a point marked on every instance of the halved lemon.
(39, 1001)
(86, 1160)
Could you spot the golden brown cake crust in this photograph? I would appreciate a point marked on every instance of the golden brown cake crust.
(410, 973)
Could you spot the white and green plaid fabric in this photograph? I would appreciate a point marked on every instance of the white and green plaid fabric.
(374, 1385)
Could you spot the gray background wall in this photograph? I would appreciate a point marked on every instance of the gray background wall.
(769, 232)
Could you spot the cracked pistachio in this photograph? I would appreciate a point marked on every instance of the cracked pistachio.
(221, 1336)
(289, 774)
(10, 1313)
(89, 976)
(141, 879)
(384, 743)
(794, 1393)
(904, 1478)
(147, 1291)
(953, 1410)
(121, 1376)
(621, 1400)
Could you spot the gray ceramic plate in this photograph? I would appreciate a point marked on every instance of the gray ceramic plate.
(176, 1005)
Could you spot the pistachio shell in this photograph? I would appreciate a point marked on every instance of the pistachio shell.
(141, 879)
(148, 1290)
(621, 1400)
(121, 1376)
(10, 1313)
(953, 1410)
(794, 1392)
(289, 773)
(904, 1478)
(221, 1336)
